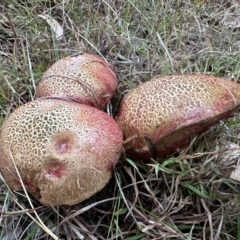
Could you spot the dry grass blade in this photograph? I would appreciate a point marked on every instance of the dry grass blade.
(85, 209)
(209, 218)
(83, 84)
(55, 26)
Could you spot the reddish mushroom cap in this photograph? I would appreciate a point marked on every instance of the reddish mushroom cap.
(162, 114)
(64, 151)
(85, 78)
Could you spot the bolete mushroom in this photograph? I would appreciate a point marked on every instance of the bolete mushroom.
(85, 78)
(64, 151)
(161, 115)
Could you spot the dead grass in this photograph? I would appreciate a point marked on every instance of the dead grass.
(188, 195)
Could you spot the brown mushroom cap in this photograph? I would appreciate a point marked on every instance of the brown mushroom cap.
(64, 151)
(85, 78)
(162, 114)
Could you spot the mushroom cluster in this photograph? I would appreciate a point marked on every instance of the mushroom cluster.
(62, 148)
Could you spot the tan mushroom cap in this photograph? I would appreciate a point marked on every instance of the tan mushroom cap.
(85, 78)
(65, 151)
(162, 114)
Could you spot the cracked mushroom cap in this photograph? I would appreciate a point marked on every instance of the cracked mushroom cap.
(85, 78)
(161, 115)
(64, 151)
